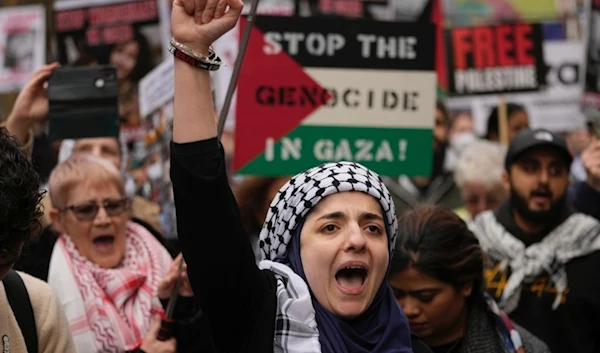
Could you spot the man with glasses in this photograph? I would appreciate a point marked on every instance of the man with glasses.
(19, 223)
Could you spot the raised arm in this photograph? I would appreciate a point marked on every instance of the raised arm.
(197, 24)
(219, 257)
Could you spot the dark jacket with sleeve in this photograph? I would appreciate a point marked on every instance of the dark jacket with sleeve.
(239, 299)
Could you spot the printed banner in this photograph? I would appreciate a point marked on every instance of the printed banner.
(22, 44)
(491, 12)
(97, 31)
(314, 90)
(591, 97)
(127, 34)
(495, 59)
(157, 88)
(557, 108)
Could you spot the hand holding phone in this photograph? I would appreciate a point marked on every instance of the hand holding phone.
(83, 102)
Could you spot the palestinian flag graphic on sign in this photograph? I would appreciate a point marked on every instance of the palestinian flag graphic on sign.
(318, 90)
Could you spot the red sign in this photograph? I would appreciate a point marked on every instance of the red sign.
(495, 59)
(268, 105)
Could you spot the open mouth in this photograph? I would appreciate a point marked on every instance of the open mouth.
(541, 195)
(351, 278)
(104, 243)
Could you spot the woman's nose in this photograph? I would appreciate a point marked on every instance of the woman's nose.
(410, 308)
(356, 238)
(102, 217)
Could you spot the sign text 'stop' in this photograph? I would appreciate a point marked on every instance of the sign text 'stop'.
(361, 44)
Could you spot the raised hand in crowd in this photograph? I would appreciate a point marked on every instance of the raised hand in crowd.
(591, 161)
(31, 106)
(197, 24)
(152, 345)
(165, 287)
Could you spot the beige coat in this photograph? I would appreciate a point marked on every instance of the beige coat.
(51, 323)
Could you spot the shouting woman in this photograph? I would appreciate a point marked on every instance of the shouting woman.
(325, 244)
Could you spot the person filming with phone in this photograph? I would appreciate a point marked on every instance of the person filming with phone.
(97, 251)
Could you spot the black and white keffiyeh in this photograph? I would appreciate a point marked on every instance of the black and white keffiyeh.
(296, 328)
(578, 235)
(305, 190)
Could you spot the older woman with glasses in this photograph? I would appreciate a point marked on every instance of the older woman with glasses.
(110, 273)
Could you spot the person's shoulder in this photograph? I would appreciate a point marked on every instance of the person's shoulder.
(38, 290)
(418, 346)
(531, 343)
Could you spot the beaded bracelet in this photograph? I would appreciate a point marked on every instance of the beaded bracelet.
(193, 61)
(212, 57)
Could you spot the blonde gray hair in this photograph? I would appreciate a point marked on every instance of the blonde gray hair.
(481, 162)
(81, 168)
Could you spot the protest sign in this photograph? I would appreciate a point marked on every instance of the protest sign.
(88, 30)
(491, 12)
(400, 10)
(157, 88)
(495, 59)
(591, 97)
(557, 108)
(22, 44)
(314, 90)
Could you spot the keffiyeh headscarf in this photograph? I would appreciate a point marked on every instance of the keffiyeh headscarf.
(303, 325)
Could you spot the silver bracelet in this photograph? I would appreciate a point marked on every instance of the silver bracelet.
(211, 59)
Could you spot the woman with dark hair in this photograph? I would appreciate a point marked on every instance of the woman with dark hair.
(133, 58)
(437, 277)
(321, 286)
(518, 120)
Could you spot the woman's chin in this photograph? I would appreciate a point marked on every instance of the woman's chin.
(350, 308)
(107, 260)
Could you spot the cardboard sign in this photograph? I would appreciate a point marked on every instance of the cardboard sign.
(495, 59)
(86, 29)
(157, 87)
(315, 90)
(557, 108)
(22, 45)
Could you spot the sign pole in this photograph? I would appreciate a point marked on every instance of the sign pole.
(503, 122)
(238, 66)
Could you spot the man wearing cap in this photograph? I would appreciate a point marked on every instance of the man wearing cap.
(545, 258)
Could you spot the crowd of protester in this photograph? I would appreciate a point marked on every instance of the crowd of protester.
(494, 251)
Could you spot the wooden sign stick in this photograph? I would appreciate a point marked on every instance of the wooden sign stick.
(503, 122)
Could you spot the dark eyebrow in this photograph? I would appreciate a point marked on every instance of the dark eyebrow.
(333, 215)
(420, 291)
(368, 216)
(340, 215)
(425, 291)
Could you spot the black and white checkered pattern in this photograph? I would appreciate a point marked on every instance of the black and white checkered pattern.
(577, 236)
(305, 190)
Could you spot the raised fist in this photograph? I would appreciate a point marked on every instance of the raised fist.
(198, 23)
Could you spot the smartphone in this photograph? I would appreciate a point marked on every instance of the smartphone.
(83, 102)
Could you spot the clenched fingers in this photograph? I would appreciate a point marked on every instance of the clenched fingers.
(188, 5)
(209, 10)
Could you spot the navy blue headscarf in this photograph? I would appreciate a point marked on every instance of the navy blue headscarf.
(383, 327)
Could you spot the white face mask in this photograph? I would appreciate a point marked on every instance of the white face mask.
(462, 140)
(155, 171)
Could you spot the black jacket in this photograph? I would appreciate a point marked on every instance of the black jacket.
(574, 326)
(192, 333)
(239, 299)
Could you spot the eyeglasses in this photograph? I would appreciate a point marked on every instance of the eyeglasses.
(88, 211)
